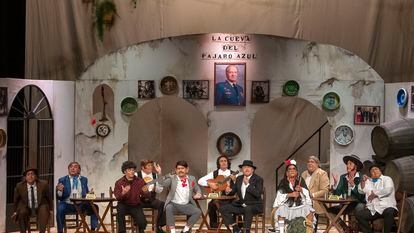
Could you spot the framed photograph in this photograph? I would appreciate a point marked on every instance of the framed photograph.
(196, 89)
(3, 101)
(367, 115)
(412, 98)
(260, 92)
(230, 84)
(146, 89)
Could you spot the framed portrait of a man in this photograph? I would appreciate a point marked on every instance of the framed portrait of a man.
(146, 89)
(230, 84)
(260, 92)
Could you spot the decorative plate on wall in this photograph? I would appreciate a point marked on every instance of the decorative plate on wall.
(229, 144)
(129, 105)
(169, 85)
(331, 101)
(102, 130)
(291, 88)
(402, 98)
(344, 135)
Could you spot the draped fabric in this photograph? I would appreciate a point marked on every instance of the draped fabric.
(61, 40)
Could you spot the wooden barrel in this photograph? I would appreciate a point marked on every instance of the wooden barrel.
(402, 173)
(394, 139)
(408, 215)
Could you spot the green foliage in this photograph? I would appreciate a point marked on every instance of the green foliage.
(103, 8)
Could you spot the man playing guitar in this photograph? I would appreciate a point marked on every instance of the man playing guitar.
(150, 171)
(209, 181)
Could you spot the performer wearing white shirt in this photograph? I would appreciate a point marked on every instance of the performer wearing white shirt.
(223, 169)
(149, 172)
(380, 196)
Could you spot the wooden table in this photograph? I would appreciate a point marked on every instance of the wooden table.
(333, 221)
(79, 201)
(204, 215)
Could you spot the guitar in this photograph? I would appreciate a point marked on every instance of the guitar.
(146, 197)
(221, 182)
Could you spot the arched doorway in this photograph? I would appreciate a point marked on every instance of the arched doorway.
(166, 130)
(287, 126)
(30, 141)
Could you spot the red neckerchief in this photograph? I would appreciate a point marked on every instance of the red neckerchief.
(183, 182)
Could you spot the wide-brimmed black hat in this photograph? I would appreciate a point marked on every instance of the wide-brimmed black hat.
(355, 159)
(128, 164)
(247, 163)
(30, 169)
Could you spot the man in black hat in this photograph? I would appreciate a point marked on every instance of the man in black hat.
(32, 197)
(380, 196)
(347, 186)
(128, 191)
(249, 189)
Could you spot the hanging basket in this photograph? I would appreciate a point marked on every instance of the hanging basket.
(108, 20)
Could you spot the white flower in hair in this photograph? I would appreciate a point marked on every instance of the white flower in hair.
(290, 162)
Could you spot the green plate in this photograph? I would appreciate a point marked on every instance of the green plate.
(291, 88)
(331, 101)
(129, 105)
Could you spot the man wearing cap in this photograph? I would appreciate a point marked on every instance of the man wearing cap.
(32, 197)
(249, 189)
(316, 180)
(72, 185)
(380, 196)
(128, 191)
(348, 186)
(183, 189)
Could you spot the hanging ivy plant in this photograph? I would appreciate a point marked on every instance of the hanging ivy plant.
(105, 12)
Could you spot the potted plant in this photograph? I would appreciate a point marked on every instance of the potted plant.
(104, 16)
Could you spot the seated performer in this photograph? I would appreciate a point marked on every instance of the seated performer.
(249, 189)
(292, 197)
(32, 197)
(348, 183)
(150, 200)
(223, 169)
(180, 198)
(128, 192)
(67, 187)
(380, 196)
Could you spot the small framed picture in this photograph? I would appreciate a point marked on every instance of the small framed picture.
(146, 89)
(3, 101)
(367, 115)
(260, 92)
(230, 84)
(412, 98)
(196, 89)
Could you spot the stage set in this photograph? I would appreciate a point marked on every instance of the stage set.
(170, 99)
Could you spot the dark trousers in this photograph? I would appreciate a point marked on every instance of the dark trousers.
(42, 214)
(159, 206)
(365, 216)
(64, 208)
(136, 213)
(212, 212)
(248, 212)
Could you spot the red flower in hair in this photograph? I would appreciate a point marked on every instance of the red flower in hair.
(290, 162)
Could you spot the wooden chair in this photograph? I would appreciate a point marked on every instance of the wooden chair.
(72, 221)
(151, 216)
(129, 222)
(34, 227)
(378, 225)
(259, 218)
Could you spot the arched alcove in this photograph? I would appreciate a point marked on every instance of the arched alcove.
(286, 126)
(103, 102)
(166, 130)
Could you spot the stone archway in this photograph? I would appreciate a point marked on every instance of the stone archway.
(166, 130)
(280, 128)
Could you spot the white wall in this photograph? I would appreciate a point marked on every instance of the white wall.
(392, 111)
(278, 60)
